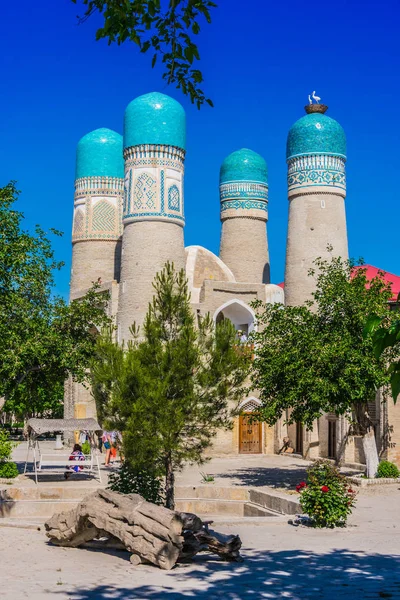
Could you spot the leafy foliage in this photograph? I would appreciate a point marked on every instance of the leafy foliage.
(386, 341)
(86, 449)
(8, 470)
(327, 496)
(165, 28)
(6, 446)
(314, 359)
(143, 482)
(387, 469)
(42, 339)
(170, 391)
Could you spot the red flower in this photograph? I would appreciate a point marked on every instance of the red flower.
(350, 491)
(300, 486)
(324, 488)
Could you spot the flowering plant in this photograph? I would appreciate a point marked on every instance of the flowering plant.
(327, 496)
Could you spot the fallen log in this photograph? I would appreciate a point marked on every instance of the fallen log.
(153, 534)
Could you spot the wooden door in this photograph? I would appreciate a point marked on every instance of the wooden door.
(299, 438)
(332, 428)
(249, 435)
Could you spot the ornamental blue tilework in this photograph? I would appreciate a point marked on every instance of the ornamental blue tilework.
(316, 133)
(243, 189)
(99, 154)
(244, 204)
(316, 170)
(145, 192)
(174, 202)
(244, 165)
(155, 119)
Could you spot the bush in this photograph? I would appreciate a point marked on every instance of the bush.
(86, 449)
(388, 469)
(8, 470)
(145, 483)
(6, 446)
(327, 498)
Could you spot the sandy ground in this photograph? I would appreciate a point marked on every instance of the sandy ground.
(280, 561)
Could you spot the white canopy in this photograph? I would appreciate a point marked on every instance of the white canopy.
(39, 426)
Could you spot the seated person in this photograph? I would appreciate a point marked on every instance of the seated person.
(76, 454)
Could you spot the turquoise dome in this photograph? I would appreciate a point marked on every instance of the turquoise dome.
(155, 119)
(99, 153)
(316, 134)
(244, 165)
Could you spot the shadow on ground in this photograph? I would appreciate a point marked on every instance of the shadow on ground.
(290, 574)
(275, 477)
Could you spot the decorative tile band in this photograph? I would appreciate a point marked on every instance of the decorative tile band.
(94, 184)
(98, 209)
(154, 185)
(243, 189)
(316, 170)
(254, 209)
(154, 151)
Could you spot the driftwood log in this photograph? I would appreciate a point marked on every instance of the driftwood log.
(152, 533)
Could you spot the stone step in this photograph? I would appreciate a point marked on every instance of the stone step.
(38, 492)
(213, 492)
(34, 508)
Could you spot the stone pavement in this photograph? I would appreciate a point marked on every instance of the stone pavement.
(281, 561)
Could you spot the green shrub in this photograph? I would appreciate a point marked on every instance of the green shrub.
(145, 483)
(8, 470)
(387, 469)
(86, 449)
(327, 498)
(6, 446)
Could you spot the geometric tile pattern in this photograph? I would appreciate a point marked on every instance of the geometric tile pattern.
(174, 202)
(79, 222)
(103, 218)
(145, 192)
(244, 204)
(316, 170)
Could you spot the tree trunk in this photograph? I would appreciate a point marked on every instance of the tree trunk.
(370, 452)
(169, 484)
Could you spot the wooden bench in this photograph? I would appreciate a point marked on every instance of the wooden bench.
(51, 464)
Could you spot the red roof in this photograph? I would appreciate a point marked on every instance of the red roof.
(372, 272)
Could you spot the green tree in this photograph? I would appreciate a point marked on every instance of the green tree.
(385, 335)
(42, 339)
(315, 359)
(170, 391)
(166, 29)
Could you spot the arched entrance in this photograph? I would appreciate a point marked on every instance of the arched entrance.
(250, 431)
(240, 315)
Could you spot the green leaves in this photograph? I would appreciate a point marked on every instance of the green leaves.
(169, 391)
(385, 336)
(42, 339)
(315, 359)
(164, 28)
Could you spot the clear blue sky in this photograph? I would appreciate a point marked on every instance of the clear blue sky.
(260, 60)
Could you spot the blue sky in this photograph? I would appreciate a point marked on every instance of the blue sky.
(260, 60)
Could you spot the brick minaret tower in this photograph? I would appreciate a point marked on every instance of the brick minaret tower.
(96, 232)
(244, 214)
(153, 215)
(316, 156)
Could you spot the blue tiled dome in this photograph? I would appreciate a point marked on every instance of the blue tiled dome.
(316, 134)
(99, 153)
(244, 165)
(155, 119)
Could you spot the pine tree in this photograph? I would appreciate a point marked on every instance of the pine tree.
(171, 389)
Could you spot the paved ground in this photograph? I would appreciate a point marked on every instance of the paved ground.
(281, 561)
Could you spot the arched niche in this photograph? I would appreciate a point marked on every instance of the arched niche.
(239, 313)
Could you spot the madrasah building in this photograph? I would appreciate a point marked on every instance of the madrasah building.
(129, 221)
